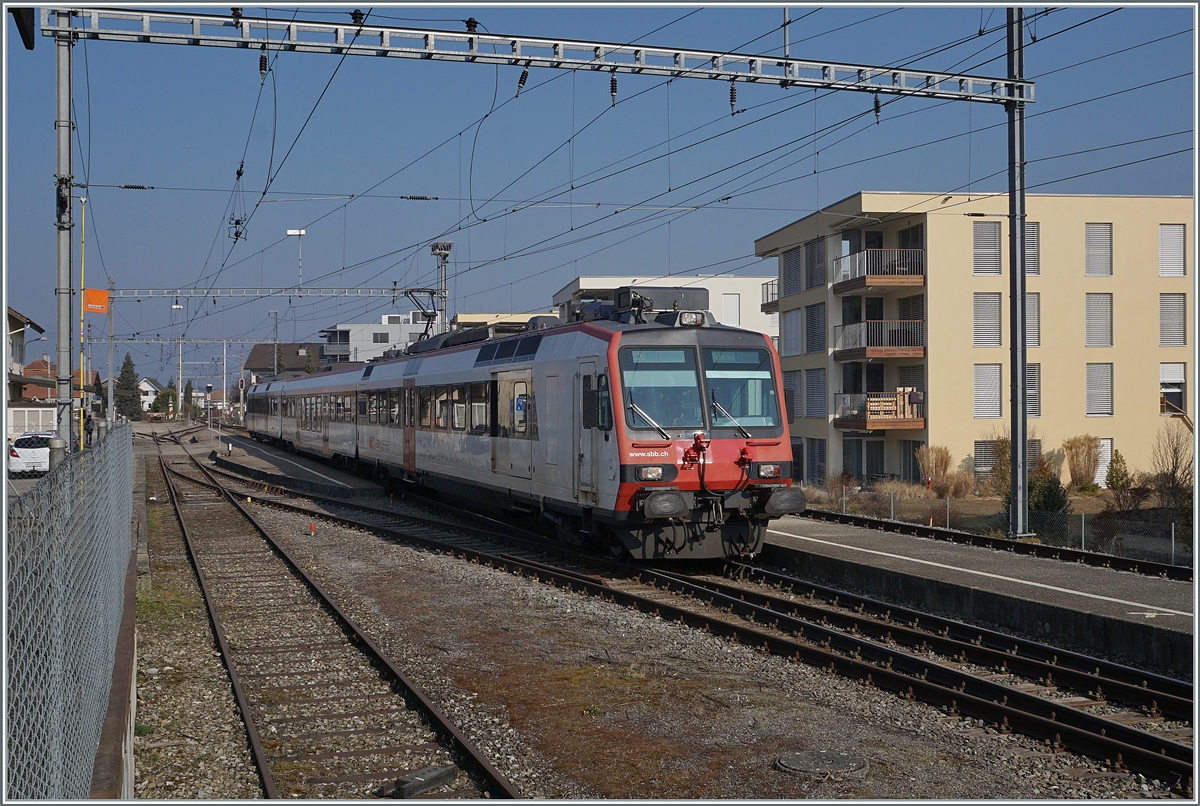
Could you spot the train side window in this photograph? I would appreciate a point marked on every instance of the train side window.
(520, 407)
(441, 411)
(604, 419)
(324, 410)
(362, 406)
(479, 408)
(458, 408)
(591, 403)
(426, 394)
(373, 407)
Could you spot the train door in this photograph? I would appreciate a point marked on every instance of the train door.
(512, 449)
(408, 414)
(585, 461)
(326, 411)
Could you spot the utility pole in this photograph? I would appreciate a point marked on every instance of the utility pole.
(179, 388)
(441, 250)
(299, 236)
(1018, 510)
(111, 413)
(64, 179)
(275, 338)
(225, 374)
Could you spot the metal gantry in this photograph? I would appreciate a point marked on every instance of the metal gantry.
(68, 24)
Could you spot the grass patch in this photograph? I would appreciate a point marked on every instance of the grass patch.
(162, 604)
(142, 729)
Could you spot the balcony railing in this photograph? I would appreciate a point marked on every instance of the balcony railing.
(902, 404)
(770, 291)
(879, 262)
(880, 333)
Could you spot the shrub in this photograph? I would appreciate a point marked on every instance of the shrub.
(1091, 488)
(904, 490)
(1002, 469)
(959, 484)
(1083, 458)
(1171, 463)
(935, 462)
(1047, 494)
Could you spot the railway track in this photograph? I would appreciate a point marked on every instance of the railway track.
(328, 715)
(1130, 719)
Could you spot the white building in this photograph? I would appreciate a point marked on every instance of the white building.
(148, 389)
(363, 342)
(733, 300)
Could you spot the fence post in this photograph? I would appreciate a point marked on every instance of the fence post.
(893, 505)
(1172, 542)
(58, 452)
(1082, 531)
(947, 512)
(843, 499)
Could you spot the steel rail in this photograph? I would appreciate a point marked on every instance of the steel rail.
(442, 723)
(1147, 567)
(895, 670)
(260, 757)
(1033, 650)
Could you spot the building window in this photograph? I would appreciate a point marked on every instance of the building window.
(380, 338)
(1172, 316)
(987, 390)
(791, 395)
(814, 455)
(814, 263)
(987, 320)
(1106, 449)
(1033, 320)
(912, 309)
(1100, 390)
(1033, 248)
(985, 457)
(1171, 254)
(1099, 331)
(814, 328)
(790, 331)
(814, 393)
(1098, 250)
(791, 271)
(910, 468)
(912, 238)
(1033, 390)
(912, 377)
(1172, 386)
(731, 310)
(986, 235)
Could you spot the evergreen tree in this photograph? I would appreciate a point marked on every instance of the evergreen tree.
(187, 393)
(310, 366)
(166, 400)
(125, 396)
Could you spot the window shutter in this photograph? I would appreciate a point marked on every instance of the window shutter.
(1172, 373)
(1171, 255)
(985, 457)
(1106, 448)
(1033, 390)
(912, 377)
(814, 454)
(986, 235)
(1033, 248)
(1099, 320)
(791, 271)
(987, 390)
(814, 263)
(1100, 389)
(814, 328)
(912, 309)
(1098, 250)
(791, 383)
(814, 393)
(1033, 320)
(1033, 450)
(790, 332)
(1172, 316)
(987, 320)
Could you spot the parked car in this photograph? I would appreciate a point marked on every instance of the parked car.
(29, 454)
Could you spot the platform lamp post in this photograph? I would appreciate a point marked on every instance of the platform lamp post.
(299, 235)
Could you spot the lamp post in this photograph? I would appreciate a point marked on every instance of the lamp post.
(299, 235)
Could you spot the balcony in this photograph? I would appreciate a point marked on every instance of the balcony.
(902, 409)
(879, 338)
(770, 297)
(878, 268)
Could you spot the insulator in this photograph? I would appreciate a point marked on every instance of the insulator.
(262, 61)
(732, 97)
(521, 81)
(612, 87)
(241, 168)
(472, 24)
(236, 11)
(356, 16)
(877, 107)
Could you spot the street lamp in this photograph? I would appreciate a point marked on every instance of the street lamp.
(299, 235)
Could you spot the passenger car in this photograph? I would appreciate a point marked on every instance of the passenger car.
(30, 453)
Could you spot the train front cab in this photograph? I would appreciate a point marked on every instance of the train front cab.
(703, 451)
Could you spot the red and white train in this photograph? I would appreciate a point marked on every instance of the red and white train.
(647, 429)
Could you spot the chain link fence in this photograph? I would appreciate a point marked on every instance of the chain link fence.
(67, 555)
(1155, 541)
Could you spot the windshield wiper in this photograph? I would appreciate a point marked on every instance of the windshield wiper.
(636, 409)
(721, 409)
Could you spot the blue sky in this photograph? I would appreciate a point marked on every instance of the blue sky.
(1116, 84)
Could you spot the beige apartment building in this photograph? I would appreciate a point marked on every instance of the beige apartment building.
(894, 330)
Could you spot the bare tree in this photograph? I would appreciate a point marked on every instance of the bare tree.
(1083, 459)
(1171, 465)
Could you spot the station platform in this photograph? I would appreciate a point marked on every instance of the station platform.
(1138, 620)
(274, 466)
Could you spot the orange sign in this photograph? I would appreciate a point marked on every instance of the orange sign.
(95, 300)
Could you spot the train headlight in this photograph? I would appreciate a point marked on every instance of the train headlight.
(691, 319)
(650, 473)
(664, 504)
(768, 471)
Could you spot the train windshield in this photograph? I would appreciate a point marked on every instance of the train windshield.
(741, 387)
(662, 388)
